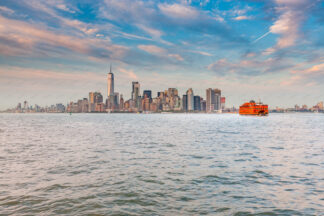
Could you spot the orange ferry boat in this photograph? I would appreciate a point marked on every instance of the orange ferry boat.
(253, 108)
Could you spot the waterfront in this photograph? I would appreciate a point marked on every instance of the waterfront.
(173, 164)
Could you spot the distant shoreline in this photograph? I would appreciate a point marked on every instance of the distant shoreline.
(224, 113)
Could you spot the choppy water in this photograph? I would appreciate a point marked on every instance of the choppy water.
(175, 164)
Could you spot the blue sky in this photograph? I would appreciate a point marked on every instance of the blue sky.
(57, 51)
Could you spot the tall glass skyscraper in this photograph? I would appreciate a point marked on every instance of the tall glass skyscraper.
(148, 94)
(110, 84)
(213, 102)
(136, 93)
(197, 103)
(185, 103)
(190, 99)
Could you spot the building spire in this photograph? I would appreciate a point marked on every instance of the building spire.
(110, 67)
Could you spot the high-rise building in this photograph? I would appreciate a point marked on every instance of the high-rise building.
(217, 99)
(25, 105)
(172, 92)
(197, 103)
(136, 94)
(185, 103)
(148, 93)
(160, 94)
(59, 107)
(213, 100)
(110, 83)
(223, 100)
(146, 103)
(203, 105)
(320, 105)
(18, 106)
(110, 103)
(116, 101)
(190, 99)
(94, 98)
(135, 90)
(121, 103)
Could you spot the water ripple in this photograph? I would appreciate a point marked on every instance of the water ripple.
(100, 164)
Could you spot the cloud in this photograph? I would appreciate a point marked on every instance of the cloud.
(292, 15)
(161, 52)
(314, 70)
(64, 8)
(201, 53)
(153, 32)
(171, 17)
(250, 67)
(6, 10)
(128, 73)
(127, 10)
(24, 36)
(178, 11)
(39, 74)
(238, 18)
(158, 51)
(309, 76)
(176, 56)
(152, 49)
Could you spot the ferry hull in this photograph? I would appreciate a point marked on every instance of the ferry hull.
(254, 109)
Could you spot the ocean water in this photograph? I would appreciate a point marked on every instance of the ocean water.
(161, 164)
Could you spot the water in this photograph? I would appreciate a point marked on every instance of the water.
(156, 164)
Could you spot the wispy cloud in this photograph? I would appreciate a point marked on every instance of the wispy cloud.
(22, 35)
(6, 10)
(129, 73)
(238, 18)
(65, 8)
(292, 15)
(37, 74)
(151, 31)
(201, 53)
(306, 75)
(158, 51)
(249, 67)
(178, 11)
(153, 49)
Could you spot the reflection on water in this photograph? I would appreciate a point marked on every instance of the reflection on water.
(155, 164)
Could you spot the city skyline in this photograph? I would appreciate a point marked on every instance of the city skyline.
(56, 51)
(165, 101)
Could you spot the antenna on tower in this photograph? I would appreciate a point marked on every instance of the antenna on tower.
(110, 67)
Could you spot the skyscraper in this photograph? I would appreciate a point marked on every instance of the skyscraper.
(197, 103)
(116, 100)
(213, 100)
(136, 94)
(185, 103)
(121, 103)
(94, 99)
(190, 99)
(110, 84)
(217, 99)
(172, 92)
(223, 99)
(135, 90)
(148, 94)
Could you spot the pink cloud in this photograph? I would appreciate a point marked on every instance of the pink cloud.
(158, 51)
(178, 11)
(238, 18)
(28, 36)
(128, 73)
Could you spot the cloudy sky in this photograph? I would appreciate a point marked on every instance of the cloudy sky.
(55, 51)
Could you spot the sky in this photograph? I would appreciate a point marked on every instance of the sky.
(56, 51)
